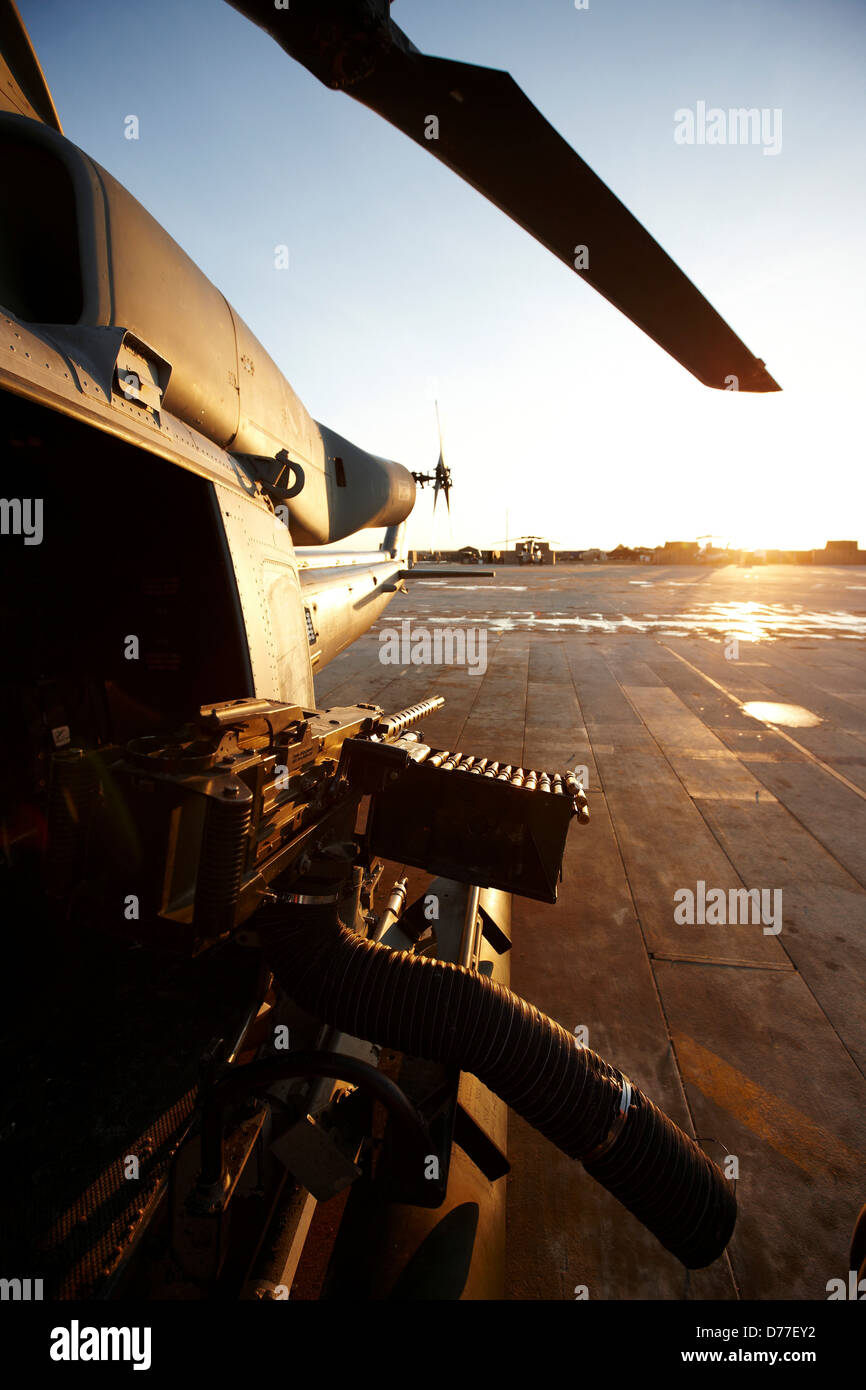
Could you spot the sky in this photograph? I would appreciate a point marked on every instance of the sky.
(405, 286)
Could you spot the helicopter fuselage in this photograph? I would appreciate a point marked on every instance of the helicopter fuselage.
(120, 334)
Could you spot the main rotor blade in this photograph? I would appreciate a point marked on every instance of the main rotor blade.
(23, 89)
(478, 122)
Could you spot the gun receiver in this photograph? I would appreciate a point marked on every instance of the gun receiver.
(253, 790)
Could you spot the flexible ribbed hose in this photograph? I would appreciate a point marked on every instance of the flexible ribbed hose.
(444, 1013)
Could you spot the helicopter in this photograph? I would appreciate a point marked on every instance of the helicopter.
(160, 707)
(531, 550)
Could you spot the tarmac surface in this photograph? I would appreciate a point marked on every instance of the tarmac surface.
(751, 1033)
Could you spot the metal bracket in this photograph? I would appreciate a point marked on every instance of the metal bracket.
(141, 375)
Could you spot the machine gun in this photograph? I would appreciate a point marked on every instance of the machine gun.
(261, 822)
(253, 791)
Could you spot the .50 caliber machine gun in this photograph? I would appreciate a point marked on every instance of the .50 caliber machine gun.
(262, 821)
(253, 791)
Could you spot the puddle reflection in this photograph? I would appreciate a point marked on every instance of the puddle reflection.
(769, 713)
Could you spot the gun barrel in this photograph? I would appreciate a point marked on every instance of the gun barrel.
(394, 724)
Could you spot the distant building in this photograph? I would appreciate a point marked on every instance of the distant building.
(839, 553)
(628, 555)
(470, 555)
(789, 557)
(677, 553)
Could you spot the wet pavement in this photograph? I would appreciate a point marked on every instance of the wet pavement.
(720, 719)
